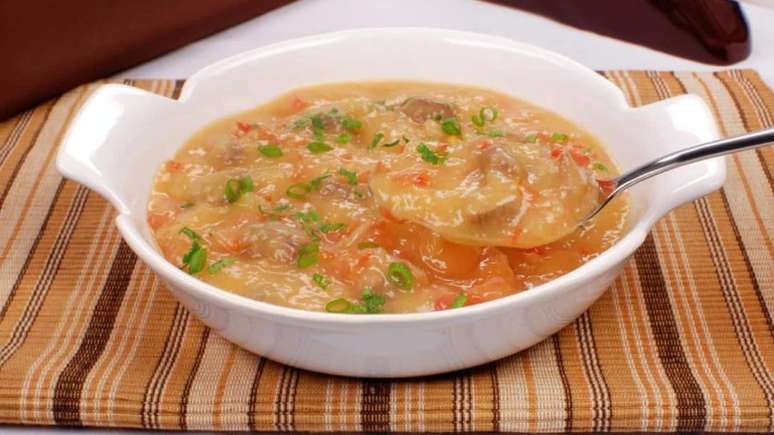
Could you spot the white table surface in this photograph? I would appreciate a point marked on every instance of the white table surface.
(307, 17)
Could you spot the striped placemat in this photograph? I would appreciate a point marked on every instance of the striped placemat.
(682, 341)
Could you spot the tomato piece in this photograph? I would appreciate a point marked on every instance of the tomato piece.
(244, 127)
(266, 134)
(556, 153)
(157, 220)
(338, 266)
(485, 143)
(493, 288)
(413, 178)
(607, 186)
(494, 263)
(580, 158)
(298, 103)
(173, 166)
(436, 256)
(449, 260)
(443, 302)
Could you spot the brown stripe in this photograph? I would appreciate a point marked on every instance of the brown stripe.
(691, 408)
(495, 398)
(747, 263)
(279, 401)
(375, 411)
(189, 382)
(737, 235)
(26, 152)
(600, 391)
(731, 296)
(16, 133)
(251, 404)
(290, 402)
(565, 383)
(178, 88)
(461, 402)
(53, 263)
(33, 250)
(764, 115)
(456, 407)
(745, 121)
(154, 387)
(67, 393)
(284, 405)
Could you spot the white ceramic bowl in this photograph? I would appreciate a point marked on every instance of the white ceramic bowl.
(122, 135)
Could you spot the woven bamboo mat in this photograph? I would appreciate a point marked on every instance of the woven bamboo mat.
(682, 341)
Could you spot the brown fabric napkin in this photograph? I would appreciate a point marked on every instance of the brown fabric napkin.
(682, 341)
(51, 46)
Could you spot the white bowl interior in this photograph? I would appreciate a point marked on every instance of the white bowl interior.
(146, 130)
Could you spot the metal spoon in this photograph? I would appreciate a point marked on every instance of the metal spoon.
(679, 158)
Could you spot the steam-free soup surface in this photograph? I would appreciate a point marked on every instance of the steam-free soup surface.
(387, 197)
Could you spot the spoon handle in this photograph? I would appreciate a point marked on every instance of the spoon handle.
(694, 154)
(679, 158)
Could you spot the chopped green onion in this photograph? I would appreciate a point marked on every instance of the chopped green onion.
(233, 190)
(477, 120)
(488, 114)
(357, 309)
(236, 187)
(459, 300)
(307, 220)
(559, 137)
(340, 305)
(599, 166)
(377, 138)
(391, 144)
(367, 245)
(246, 184)
(195, 259)
(532, 138)
(307, 256)
(321, 281)
(316, 183)
(374, 303)
(400, 275)
(451, 127)
(281, 207)
(318, 147)
(220, 264)
(187, 205)
(191, 234)
(329, 228)
(351, 176)
(271, 151)
(495, 133)
(317, 122)
(351, 124)
(308, 217)
(429, 155)
(298, 190)
(343, 138)
(300, 123)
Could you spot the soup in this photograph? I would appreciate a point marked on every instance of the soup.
(384, 197)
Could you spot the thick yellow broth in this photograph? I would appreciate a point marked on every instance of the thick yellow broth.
(467, 221)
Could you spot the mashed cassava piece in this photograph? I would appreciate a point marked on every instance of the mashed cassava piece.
(388, 197)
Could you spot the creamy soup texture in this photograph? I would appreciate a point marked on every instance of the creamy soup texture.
(384, 197)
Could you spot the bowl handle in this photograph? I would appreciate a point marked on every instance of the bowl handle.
(690, 122)
(110, 116)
